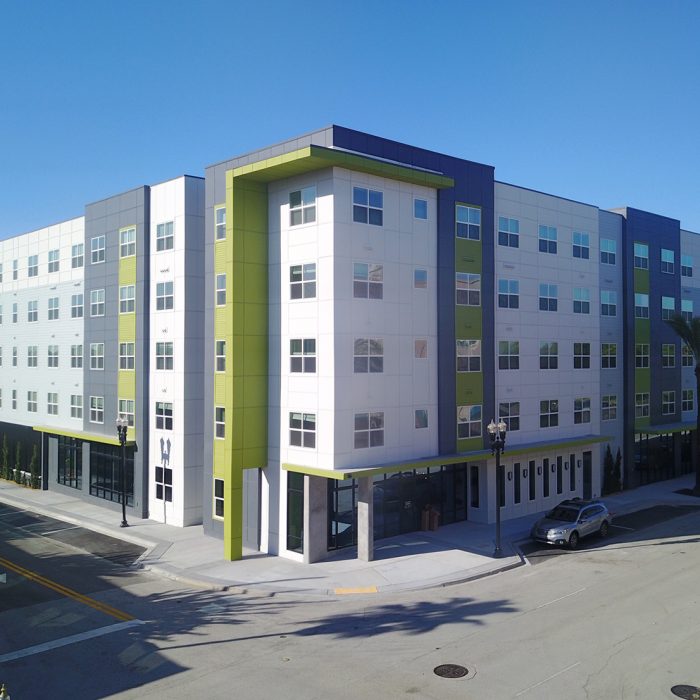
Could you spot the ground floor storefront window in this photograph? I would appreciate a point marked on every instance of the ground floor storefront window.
(106, 473)
(654, 457)
(70, 462)
(295, 512)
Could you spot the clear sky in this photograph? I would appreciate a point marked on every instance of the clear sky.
(594, 100)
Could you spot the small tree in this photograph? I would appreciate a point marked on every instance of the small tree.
(5, 458)
(617, 470)
(34, 469)
(18, 462)
(609, 484)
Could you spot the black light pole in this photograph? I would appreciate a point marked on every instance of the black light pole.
(497, 433)
(121, 431)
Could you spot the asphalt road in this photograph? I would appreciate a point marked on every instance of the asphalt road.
(617, 619)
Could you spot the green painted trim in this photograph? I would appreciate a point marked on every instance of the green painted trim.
(670, 428)
(88, 437)
(317, 157)
(476, 455)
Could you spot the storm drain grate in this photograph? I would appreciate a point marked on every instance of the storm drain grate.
(688, 692)
(451, 671)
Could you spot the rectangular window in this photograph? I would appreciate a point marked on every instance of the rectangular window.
(164, 355)
(126, 356)
(302, 429)
(668, 261)
(687, 359)
(668, 308)
(368, 281)
(560, 475)
(641, 305)
(608, 251)
(531, 471)
(582, 355)
(509, 412)
(76, 356)
(302, 355)
(53, 356)
(0, 273)
(641, 355)
(608, 355)
(76, 406)
(220, 223)
(516, 483)
(164, 416)
(668, 403)
(52, 403)
(127, 299)
(77, 256)
(508, 294)
(420, 418)
(302, 206)
(608, 407)
(608, 303)
(32, 356)
(686, 309)
(420, 348)
(14, 312)
(545, 478)
(53, 309)
(53, 261)
(164, 296)
(14, 357)
(641, 405)
(97, 249)
(641, 256)
(32, 403)
(220, 355)
(468, 222)
(468, 289)
(581, 245)
(508, 354)
(97, 409)
(420, 208)
(221, 289)
(219, 422)
(367, 206)
(582, 300)
(687, 400)
(548, 297)
(97, 355)
(0, 314)
(14, 399)
(127, 242)
(164, 236)
(369, 430)
(468, 422)
(420, 279)
(32, 266)
(549, 355)
(164, 484)
(302, 281)
(97, 302)
(76, 306)
(15, 265)
(508, 232)
(218, 498)
(468, 355)
(668, 355)
(582, 411)
(548, 239)
(125, 409)
(368, 354)
(32, 311)
(686, 266)
(549, 416)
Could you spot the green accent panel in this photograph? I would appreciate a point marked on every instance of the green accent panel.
(470, 444)
(641, 423)
(104, 439)
(220, 389)
(470, 388)
(671, 428)
(468, 255)
(220, 256)
(127, 270)
(312, 158)
(641, 281)
(127, 328)
(126, 384)
(642, 380)
(223, 322)
(468, 320)
(642, 330)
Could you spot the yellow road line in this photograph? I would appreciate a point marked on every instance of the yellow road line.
(63, 590)
(358, 589)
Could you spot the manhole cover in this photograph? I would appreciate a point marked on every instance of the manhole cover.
(452, 671)
(688, 692)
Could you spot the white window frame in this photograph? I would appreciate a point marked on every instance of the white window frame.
(127, 242)
(76, 356)
(219, 423)
(164, 415)
(97, 302)
(164, 355)
(302, 206)
(302, 281)
(52, 403)
(97, 250)
(76, 308)
(54, 310)
(127, 356)
(97, 409)
(54, 260)
(220, 223)
(77, 255)
(126, 409)
(76, 406)
(97, 356)
(221, 289)
(219, 355)
(52, 357)
(127, 299)
(165, 296)
(165, 236)
(368, 430)
(301, 434)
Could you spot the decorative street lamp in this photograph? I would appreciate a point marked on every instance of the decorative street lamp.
(122, 425)
(497, 433)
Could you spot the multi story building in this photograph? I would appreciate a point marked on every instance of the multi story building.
(309, 343)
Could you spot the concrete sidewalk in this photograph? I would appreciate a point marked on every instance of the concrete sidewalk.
(452, 554)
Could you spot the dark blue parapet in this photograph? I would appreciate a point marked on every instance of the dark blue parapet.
(473, 185)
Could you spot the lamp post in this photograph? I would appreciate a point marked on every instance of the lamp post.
(497, 433)
(122, 425)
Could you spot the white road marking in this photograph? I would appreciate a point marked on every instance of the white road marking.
(65, 641)
(556, 600)
(60, 529)
(622, 527)
(558, 673)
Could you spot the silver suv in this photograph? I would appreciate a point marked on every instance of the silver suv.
(570, 521)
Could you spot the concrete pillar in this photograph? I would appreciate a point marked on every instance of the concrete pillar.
(365, 518)
(315, 518)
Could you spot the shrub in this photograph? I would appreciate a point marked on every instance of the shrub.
(34, 472)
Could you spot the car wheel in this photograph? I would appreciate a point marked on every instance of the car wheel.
(573, 540)
(604, 529)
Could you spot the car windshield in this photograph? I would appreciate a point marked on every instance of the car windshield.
(568, 515)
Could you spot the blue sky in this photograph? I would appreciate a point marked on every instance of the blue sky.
(597, 101)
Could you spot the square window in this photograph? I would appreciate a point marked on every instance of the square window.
(368, 355)
(548, 298)
(508, 232)
(367, 206)
(164, 296)
(469, 355)
(549, 355)
(468, 222)
(608, 251)
(508, 354)
(368, 281)
(302, 430)
(468, 422)
(302, 281)
(126, 356)
(549, 413)
(127, 299)
(164, 416)
(97, 409)
(508, 294)
(547, 239)
(76, 356)
(468, 289)
(302, 355)
(420, 208)
(302, 206)
(164, 236)
(369, 430)
(509, 413)
(97, 302)
(164, 355)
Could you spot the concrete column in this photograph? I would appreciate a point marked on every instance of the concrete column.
(315, 518)
(365, 518)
